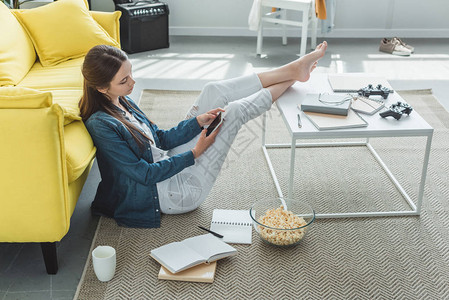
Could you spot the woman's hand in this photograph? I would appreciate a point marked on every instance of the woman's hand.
(207, 118)
(204, 142)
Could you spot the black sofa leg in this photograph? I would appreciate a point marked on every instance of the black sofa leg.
(50, 257)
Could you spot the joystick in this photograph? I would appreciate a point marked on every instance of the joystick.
(379, 90)
(397, 110)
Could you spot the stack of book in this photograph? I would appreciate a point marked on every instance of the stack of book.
(331, 111)
(195, 258)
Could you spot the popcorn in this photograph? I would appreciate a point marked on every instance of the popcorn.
(282, 219)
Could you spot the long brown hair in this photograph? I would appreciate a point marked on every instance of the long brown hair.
(100, 65)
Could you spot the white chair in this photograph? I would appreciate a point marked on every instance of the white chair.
(307, 7)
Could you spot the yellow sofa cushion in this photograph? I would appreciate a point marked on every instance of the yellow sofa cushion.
(15, 97)
(20, 97)
(109, 21)
(63, 30)
(68, 100)
(17, 53)
(66, 75)
(79, 149)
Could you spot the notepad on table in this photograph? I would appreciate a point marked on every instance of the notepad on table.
(179, 256)
(352, 82)
(234, 225)
(328, 121)
(366, 105)
(200, 273)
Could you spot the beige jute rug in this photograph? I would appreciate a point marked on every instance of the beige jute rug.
(352, 258)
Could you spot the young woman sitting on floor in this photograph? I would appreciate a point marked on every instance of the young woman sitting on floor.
(146, 171)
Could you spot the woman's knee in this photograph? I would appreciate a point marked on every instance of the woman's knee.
(217, 89)
(211, 89)
(211, 97)
(236, 111)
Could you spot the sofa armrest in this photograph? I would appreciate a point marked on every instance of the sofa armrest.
(109, 21)
(33, 177)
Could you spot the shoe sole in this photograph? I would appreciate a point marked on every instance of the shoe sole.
(397, 53)
(401, 53)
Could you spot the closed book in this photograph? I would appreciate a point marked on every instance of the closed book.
(200, 273)
(179, 256)
(336, 104)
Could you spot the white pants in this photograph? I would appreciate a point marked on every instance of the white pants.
(243, 99)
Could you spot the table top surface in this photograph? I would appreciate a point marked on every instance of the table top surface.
(412, 125)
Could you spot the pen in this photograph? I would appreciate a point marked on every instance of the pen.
(299, 121)
(210, 231)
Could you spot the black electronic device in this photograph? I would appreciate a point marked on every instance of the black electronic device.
(397, 110)
(215, 124)
(379, 90)
(143, 25)
(116, 2)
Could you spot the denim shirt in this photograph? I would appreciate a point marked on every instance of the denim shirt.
(127, 191)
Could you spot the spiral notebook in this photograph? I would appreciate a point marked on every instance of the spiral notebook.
(366, 105)
(234, 225)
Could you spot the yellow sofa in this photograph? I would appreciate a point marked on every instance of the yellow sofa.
(46, 152)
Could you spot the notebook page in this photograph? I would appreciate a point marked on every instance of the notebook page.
(176, 256)
(209, 247)
(234, 225)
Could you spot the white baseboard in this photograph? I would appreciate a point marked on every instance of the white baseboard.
(293, 32)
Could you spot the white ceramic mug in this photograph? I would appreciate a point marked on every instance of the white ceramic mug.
(104, 261)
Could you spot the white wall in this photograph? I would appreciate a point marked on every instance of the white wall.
(354, 18)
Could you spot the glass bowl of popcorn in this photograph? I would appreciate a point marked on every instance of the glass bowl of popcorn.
(281, 221)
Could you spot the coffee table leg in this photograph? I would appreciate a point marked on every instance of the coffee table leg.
(267, 156)
(423, 174)
(292, 168)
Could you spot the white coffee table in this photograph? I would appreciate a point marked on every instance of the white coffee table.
(413, 125)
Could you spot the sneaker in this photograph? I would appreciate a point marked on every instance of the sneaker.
(393, 47)
(411, 48)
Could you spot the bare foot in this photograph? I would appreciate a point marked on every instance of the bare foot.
(306, 64)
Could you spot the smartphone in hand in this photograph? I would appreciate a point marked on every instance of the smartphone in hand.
(215, 124)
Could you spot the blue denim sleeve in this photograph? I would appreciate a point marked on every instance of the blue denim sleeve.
(178, 135)
(119, 150)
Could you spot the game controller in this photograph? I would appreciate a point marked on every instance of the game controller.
(397, 110)
(379, 90)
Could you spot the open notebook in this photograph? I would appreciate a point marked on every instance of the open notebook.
(179, 256)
